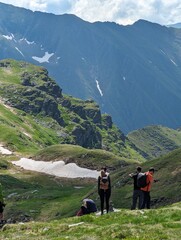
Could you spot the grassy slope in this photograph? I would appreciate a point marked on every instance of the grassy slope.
(27, 133)
(156, 140)
(40, 196)
(168, 171)
(164, 223)
(36, 196)
(164, 192)
(91, 158)
(21, 133)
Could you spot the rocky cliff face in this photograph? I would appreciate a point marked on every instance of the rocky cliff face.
(30, 89)
(36, 93)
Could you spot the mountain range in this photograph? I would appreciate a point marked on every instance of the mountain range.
(133, 72)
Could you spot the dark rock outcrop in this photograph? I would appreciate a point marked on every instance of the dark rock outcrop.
(48, 86)
(87, 136)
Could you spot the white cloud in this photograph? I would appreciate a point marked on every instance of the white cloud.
(120, 11)
(34, 5)
(128, 11)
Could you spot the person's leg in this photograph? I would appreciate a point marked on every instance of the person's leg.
(1, 217)
(101, 194)
(135, 196)
(144, 200)
(84, 210)
(140, 196)
(148, 200)
(107, 200)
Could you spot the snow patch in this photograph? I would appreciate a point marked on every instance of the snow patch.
(173, 62)
(57, 60)
(98, 87)
(4, 150)
(19, 51)
(9, 37)
(58, 168)
(83, 59)
(28, 42)
(43, 59)
(162, 51)
(124, 78)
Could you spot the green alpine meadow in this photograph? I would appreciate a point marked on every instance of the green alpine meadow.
(163, 223)
(41, 124)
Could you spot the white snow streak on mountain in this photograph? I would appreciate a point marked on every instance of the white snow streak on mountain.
(58, 168)
(173, 62)
(43, 59)
(19, 51)
(98, 87)
(162, 51)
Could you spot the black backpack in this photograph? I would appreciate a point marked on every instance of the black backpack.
(142, 180)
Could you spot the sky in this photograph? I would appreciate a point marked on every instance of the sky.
(123, 12)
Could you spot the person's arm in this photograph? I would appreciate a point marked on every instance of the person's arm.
(109, 179)
(131, 175)
(98, 184)
(1, 194)
(156, 180)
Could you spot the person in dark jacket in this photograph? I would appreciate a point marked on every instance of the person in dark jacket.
(137, 192)
(88, 206)
(104, 189)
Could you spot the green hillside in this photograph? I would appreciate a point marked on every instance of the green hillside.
(164, 192)
(155, 141)
(163, 223)
(35, 114)
(31, 194)
(35, 196)
(89, 158)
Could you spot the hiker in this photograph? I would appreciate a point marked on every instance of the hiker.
(104, 189)
(88, 206)
(146, 190)
(137, 192)
(2, 205)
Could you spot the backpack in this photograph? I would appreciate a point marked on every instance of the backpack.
(142, 180)
(104, 183)
(91, 206)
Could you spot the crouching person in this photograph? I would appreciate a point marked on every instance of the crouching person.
(88, 206)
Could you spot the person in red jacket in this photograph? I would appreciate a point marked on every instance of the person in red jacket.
(146, 190)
